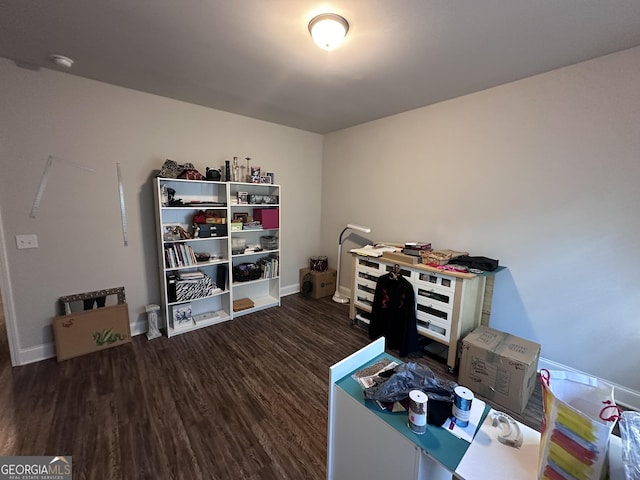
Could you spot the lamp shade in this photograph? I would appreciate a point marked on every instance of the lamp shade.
(359, 228)
(328, 30)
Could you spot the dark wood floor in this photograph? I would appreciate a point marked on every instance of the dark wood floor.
(245, 399)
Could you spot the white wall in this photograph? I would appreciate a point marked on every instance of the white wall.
(542, 174)
(78, 223)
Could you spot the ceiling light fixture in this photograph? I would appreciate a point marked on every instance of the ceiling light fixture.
(328, 30)
(61, 60)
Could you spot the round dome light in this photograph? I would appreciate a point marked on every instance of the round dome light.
(328, 30)
(61, 60)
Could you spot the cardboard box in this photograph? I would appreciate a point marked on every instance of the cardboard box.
(268, 217)
(499, 366)
(242, 304)
(322, 285)
(91, 330)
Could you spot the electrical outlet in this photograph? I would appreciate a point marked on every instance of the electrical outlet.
(27, 241)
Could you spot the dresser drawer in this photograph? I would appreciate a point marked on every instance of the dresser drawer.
(365, 287)
(364, 299)
(370, 266)
(429, 280)
(434, 329)
(366, 278)
(429, 311)
(441, 298)
(403, 271)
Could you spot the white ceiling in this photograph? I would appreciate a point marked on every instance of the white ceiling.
(256, 58)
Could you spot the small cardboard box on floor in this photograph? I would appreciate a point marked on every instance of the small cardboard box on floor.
(323, 284)
(499, 366)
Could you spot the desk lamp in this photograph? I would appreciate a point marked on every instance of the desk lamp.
(338, 297)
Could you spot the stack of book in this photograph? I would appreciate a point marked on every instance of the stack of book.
(414, 248)
(252, 226)
(191, 275)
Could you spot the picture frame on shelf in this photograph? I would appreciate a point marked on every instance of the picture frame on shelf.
(255, 174)
(240, 217)
(182, 316)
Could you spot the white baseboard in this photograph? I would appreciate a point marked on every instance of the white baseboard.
(138, 328)
(48, 350)
(36, 354)
(289, 290)
(623, 396)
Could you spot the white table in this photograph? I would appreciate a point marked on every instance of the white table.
(366, 444)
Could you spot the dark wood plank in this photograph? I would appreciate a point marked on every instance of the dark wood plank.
(246, 399)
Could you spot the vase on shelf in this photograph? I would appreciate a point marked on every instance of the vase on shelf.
(227, 171)
(236, 170)
(248, 176)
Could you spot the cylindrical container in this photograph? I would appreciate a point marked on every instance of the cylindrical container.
(236, 170)
(462, 405)
(319, 264)
(227, 170)
(418, 411)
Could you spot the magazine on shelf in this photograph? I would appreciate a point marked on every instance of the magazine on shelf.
(182, 317)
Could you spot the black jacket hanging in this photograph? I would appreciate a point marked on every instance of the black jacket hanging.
(393, 314)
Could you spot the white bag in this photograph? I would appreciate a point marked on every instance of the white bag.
(578, 416)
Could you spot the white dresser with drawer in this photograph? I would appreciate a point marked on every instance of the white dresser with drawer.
(448, 304)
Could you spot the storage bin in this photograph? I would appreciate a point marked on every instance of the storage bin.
(205, 230)
(238, 246)
(193, 289)
(269, 242)
(245, 272)
(268, 217)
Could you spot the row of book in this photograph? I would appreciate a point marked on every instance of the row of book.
(270, 266)
(179, 255)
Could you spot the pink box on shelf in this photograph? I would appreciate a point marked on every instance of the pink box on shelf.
(268, 217)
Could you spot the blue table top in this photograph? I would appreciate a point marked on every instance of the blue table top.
(437, 442)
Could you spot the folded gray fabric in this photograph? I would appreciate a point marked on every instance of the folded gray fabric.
(411, 376)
